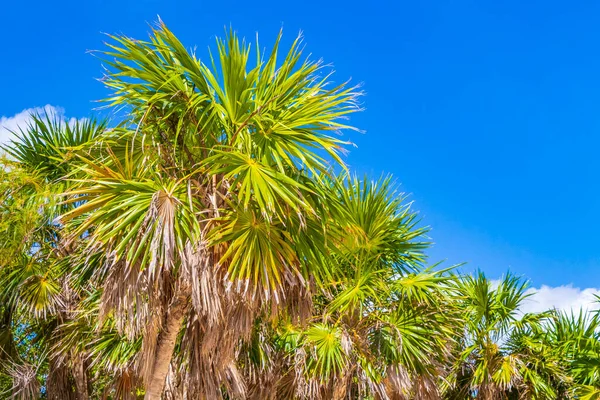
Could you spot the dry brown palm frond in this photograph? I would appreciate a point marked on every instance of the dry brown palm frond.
(262, 382)
(123, 387)
(398, 383)
(206, 282)
(149, 347)
(368, 386)
(173, 388)
(25, 385)
(162, 209)
(299, 303)
(210, 348)
(425, 387)
(122, 298)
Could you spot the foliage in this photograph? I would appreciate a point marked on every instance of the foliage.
(205, 247)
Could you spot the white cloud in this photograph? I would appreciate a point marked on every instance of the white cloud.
(565, 298)
(11, 124)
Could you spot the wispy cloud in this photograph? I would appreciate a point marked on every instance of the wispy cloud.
(565, 298)
(11, 124)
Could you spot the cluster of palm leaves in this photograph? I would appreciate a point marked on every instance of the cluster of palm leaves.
(212, 244)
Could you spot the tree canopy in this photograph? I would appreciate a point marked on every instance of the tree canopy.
(212, 244)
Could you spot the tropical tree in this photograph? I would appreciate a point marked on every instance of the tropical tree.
(497, 358)
(211, 243)
(377, 331)
(204, 202)
(19, 221)
(573, 338)
(36, 296)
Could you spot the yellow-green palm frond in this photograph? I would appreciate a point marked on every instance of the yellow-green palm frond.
(143, 218)
(48, 145)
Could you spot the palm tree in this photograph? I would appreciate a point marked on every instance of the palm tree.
(574, 339)
(378, 332)
(35, 293)
(205, 200)
(19, 220)
(497, 358)
(205, 247)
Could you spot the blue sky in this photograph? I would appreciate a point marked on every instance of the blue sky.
(486, 111)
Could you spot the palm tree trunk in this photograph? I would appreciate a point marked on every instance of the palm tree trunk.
(81, 379)
(58, 386)
(166, 344)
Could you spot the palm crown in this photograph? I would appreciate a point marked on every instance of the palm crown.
(205, 247)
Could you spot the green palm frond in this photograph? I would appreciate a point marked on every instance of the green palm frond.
(281, 113)
(327, 354)
(424, 286)
(145, 219)
(255, 182)
(32, 285)
(40, 296)
(48, 144)
(587, 392)
(259, 252)
(365, 289)
(378, 225)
